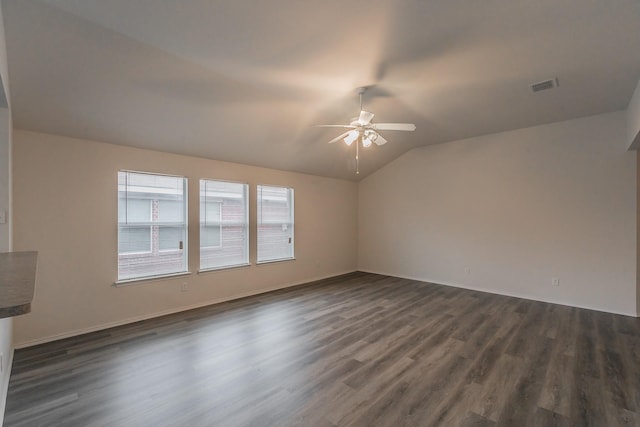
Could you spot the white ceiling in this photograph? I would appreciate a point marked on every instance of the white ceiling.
(244, 81)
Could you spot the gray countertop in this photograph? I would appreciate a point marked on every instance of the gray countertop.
(17, 282)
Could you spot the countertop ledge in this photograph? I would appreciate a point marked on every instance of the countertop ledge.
(17, 282)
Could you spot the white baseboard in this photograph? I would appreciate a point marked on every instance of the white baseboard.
(508, 294)
(103, 326)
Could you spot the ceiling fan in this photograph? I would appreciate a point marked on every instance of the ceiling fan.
(362, 130)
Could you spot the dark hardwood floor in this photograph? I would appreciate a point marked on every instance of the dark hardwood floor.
(361, 350)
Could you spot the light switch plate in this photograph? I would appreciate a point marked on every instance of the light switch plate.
(3, 216)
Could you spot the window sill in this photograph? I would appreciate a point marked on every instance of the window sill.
(138, 280)
(228, 267)
(271, 261)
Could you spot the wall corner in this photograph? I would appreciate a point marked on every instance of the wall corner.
(638, 233)
(633, 120)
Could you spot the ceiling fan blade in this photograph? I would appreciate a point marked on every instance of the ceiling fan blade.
(339, 137)
(394, 126)
(365, 117)
(380, 140)
(335, 126)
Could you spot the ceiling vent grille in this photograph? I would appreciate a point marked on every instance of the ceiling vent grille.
(547, 84)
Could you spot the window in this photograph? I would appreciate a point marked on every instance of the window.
(275, 223)
(152, 225)
(224, 224)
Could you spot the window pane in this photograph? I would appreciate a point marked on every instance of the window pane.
(211, 212)
(170, 238)
(134, 239)
(170, 211)
(131, 211)
(154, 249)
(210, 236)
(224, 231)
(275, 223)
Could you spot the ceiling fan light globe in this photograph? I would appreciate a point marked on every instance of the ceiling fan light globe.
(366, 142)
(352, 136)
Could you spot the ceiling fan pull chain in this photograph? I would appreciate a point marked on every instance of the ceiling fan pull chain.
(358, 155)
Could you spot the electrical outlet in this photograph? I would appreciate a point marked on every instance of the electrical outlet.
(555, 281)
(184, 287)
(467, 270)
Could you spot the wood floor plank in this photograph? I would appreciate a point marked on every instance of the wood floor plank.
(558, 385)
(351, 407)
(355, 350)
(492, 397)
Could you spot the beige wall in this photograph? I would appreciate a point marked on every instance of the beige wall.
(506, 213)
(65, 207)
(638, 232)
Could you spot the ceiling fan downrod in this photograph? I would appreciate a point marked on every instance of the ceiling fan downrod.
(361, 91)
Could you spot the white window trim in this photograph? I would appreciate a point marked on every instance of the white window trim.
(271, 261)
(226, 267)
(139, 280)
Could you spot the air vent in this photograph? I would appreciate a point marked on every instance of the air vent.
(547, 84)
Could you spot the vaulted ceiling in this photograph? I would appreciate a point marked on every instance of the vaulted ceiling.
(244, 81)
